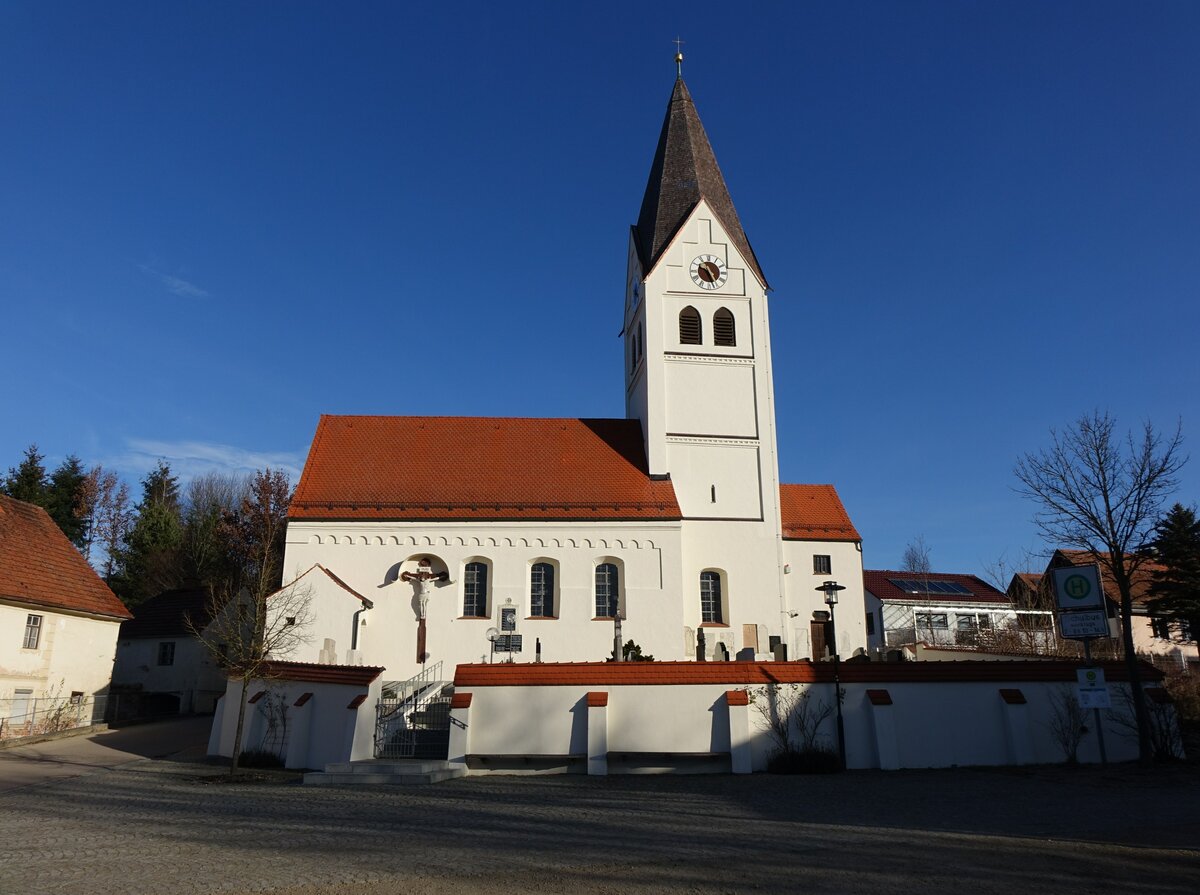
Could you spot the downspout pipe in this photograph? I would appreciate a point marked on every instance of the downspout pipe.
(367, 604)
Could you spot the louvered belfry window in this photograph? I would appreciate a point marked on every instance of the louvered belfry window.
(723, 328)
(689, 327)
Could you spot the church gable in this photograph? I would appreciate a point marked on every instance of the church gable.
(479, 468)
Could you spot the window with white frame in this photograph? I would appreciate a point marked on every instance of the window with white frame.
(166, 652)
(932, 621)
(710, 598)
(33, 632)
(475, 582)
(608, 590)
(822, 565)
(541, 590)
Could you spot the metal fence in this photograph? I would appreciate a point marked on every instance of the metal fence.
(26, 716)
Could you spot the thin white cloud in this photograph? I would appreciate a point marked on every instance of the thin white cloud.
(174, 284)
(189, 459)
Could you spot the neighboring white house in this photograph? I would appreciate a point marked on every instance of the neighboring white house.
(469, 533)
(161, 659)
(944, 610)
(58, 621)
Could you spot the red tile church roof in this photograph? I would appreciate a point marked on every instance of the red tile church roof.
(448, 468)
(444, 468)
(814, 513)
(39, 566)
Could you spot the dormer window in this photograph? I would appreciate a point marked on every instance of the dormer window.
(724, 332)
(690, 332)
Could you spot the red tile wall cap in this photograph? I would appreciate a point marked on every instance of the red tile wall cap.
(814, 513)
(597, 699)
(879, 697)
(1012, 696)
(303, 700)
(40, 567)
(447, 468)
(737, 697)
(256, 697)
(357, 701)
(460, 701)
(311, 672)
(608, 674)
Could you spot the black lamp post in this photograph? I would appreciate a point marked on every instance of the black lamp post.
(830, 589)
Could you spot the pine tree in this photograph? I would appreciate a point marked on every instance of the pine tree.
(149, 562)
(28, 481)
(65, 499)
(1175, 590)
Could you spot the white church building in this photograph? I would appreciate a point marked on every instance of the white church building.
(538, 533)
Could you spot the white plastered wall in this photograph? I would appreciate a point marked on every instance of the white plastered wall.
(74, 653)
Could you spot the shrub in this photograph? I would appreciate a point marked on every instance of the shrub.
(807, 761)
(259, 758)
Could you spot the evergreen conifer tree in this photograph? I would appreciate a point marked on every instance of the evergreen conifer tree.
(64, 499)
(1175, 590)
(150, 562)
(28, 481)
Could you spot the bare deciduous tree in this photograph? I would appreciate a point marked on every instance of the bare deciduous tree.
(1102, 493)
(254, 620)
(111, 516)
(1067, 722)
(792, 715)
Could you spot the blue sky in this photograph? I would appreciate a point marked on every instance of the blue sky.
(980, 220)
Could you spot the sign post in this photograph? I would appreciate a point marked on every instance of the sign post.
(1082, 615)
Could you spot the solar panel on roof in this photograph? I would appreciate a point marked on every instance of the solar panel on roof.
(913, 586)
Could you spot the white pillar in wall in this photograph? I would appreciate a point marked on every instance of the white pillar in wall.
(738, 703)
(597, 734)
(460, 730)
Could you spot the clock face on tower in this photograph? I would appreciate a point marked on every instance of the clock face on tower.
(708, 272)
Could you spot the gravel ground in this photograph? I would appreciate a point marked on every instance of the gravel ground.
(154, 826)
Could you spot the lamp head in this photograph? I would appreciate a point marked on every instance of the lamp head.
(830, 589)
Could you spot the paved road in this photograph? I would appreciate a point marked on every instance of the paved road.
(155, 826)
(182, 739)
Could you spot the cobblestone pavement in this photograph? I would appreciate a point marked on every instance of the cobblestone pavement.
(166, 827)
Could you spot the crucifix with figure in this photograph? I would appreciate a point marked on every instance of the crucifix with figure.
(422, 579)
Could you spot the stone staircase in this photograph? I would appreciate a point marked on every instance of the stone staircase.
(384, 772)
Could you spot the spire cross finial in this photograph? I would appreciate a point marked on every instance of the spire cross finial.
(679, 57)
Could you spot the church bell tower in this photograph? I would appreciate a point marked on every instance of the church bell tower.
(698, 350)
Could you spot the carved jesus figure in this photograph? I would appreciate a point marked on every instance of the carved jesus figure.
(422, 579)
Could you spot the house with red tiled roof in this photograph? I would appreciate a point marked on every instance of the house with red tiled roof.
(1154, 637)
(58, 624)
(519, 539)
(939, 610)
(162, 662)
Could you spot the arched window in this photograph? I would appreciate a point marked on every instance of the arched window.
(608, 590)
(689, 327)
(710, 598)
(541, 590)
(475, 590)
(724, 332)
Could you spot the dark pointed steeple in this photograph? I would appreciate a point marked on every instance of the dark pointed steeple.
(685, 171)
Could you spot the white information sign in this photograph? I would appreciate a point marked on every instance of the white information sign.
(1085, 624)
(1093, 691)
(1078, 587)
